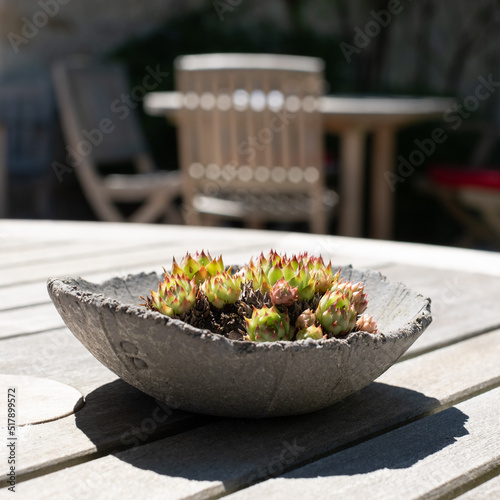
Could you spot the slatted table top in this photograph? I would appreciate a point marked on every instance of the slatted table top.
(429, 427)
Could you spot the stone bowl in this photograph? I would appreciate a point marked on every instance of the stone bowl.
(200, 371)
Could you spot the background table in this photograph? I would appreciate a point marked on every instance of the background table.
(353, 118)
(429, 427)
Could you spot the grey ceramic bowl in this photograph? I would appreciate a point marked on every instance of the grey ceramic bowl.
(199, 371)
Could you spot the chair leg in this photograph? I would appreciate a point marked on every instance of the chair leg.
(105, 210)
(318, 222)
(211, 220)
(471, 224)
(255, 223)
(190, 215)
(154, 207)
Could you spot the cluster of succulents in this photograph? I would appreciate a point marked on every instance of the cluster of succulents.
(272, 298)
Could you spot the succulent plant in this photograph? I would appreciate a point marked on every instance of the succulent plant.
(311, 332)
(356, 293)
(199, 266)
(257, 277)
(267, 325)
(305, 319)
(367, 324)
(335, 313)
(283, 293)
(306, 273)
(271, 289)
(222, 289)
(175, 295)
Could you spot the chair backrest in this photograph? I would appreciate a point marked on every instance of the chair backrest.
(98, 111)
(250, 122)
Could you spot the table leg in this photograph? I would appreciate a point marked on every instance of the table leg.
(352, 152)
(381, 196)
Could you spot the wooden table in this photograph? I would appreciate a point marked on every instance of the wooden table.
(427, 428)
(353, 118)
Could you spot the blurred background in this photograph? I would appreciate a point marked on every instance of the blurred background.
(429, 47)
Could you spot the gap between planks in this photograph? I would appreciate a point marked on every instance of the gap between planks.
(485, 488)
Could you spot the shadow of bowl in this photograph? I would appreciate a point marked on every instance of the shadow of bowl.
(200, 371)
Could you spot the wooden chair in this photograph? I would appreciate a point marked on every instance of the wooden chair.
(251, 140)
(471, 192)
(102, 131)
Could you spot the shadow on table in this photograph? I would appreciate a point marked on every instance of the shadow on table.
(239, 452)
(117, 416)
(400, 449)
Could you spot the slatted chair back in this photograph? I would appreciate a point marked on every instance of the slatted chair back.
(101, 127)
(250, 127)
(102, 120)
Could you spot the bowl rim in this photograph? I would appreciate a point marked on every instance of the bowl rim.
(72, 286)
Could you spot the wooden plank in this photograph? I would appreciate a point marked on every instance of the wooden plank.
(8, 245)
(65, 251)
(412, 254)
(57, 355)
(232, 453)
(450, 450)
(15, 296)
(456, 259)
(330, 248)
(104, 231)
(155, 254)
(486, 491)
(114, 415)
(42, 400)
(21, 321)
(463, 304)
(37, 272)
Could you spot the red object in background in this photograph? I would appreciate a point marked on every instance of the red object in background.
(458, 176)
